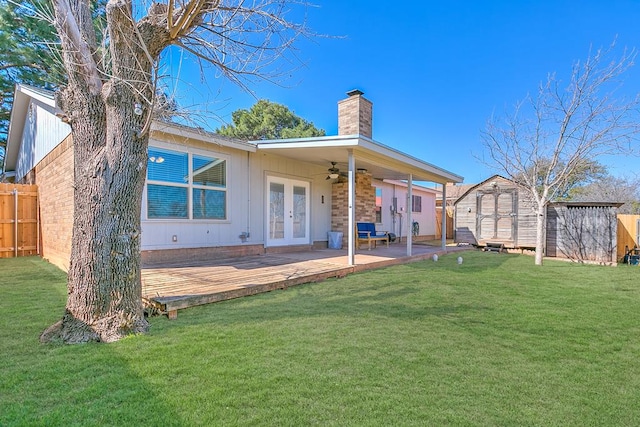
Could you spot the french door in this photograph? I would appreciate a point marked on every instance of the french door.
(288, 212)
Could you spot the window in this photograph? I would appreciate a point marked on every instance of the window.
(378, 205)
(416, 203)
(185, 186)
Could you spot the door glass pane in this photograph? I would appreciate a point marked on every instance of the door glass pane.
(276, 211)
(299, 212)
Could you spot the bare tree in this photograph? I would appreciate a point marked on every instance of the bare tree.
(611, 189)
(550, 138)
(108, 103)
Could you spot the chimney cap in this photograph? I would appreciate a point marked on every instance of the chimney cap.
(355, 92)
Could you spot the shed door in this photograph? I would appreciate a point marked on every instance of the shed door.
(497, 215)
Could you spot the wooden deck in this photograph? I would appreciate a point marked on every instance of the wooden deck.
(187, 284)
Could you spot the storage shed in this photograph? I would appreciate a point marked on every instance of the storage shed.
(495, 211)
(582, 231)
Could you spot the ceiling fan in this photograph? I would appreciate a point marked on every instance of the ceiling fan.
(334, 172)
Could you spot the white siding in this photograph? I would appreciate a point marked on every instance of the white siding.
(246, 192)
(43, 131)
(158, 234)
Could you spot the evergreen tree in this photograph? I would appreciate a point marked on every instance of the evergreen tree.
(268, 120)
(25, 54)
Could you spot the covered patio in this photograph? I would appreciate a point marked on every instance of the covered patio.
(171, 287)
(356, 153)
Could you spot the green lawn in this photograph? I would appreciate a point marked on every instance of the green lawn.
(494, 341)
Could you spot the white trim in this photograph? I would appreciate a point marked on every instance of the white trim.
(289, 183)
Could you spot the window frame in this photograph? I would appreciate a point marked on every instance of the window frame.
(189, 185)
(415, 205)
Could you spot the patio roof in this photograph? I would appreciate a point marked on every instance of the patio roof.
(381, 161)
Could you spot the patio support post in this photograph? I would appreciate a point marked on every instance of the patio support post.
(352, 209)
(409, 214)
(443, 224)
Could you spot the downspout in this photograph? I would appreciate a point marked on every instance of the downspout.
(409, 214)
(443, 224)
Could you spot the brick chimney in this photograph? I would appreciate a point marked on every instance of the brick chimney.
(355, 115)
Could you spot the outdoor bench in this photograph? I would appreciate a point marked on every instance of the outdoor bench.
(366, 233)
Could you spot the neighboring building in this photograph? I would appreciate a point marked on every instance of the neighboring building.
(496, 211)
(453, 192)
(208, 195)
(392, 204)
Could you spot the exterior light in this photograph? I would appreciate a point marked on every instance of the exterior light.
(137, 109)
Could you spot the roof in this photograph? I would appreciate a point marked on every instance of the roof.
(588, 204)
(381, 161)
(178, 131)
(413, 186)
(472, 187)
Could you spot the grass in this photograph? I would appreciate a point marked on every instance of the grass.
(494, 341)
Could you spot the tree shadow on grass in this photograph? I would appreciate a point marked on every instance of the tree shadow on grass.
(86, 384)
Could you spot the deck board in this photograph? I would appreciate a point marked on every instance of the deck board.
(181, 285)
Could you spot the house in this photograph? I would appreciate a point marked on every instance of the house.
(207, 195)
(497, 211)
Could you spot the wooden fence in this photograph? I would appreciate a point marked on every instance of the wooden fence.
(19, 225)
(628, 234)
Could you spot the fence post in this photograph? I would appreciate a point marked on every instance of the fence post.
(15, 222)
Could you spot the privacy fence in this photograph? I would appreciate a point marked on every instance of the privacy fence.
(19, 225)
(628, 233)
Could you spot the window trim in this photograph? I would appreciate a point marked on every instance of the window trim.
(190, 186)
(414, 198)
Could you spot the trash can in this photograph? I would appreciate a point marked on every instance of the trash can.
(335, 239)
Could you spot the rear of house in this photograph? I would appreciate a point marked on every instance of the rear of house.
(208, 196)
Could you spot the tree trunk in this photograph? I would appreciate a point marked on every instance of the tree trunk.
(104, 285)
(540, 228)
(110, 151)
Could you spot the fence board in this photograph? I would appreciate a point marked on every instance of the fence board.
(19, 234)
(628, 232)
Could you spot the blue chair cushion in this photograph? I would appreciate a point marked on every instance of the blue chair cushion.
(366, 229)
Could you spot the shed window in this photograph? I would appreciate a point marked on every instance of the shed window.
(185, 186)
(416, 203)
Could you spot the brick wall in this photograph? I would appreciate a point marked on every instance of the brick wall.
(355, 115)
(55, 191)
(365, 204)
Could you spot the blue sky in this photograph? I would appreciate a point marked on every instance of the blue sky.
(435, 70)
